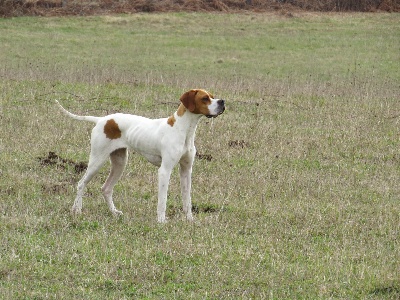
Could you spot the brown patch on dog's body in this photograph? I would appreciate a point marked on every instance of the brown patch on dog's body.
(171, 121)
(112, 130)
(181, 110)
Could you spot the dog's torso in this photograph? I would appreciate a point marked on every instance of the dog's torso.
(152, 138)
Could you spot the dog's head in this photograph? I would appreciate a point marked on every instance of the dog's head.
(201, 102)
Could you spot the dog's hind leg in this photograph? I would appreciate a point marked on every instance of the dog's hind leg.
(94, 165)
(118, 160)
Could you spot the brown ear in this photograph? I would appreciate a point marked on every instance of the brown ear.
(187, 100)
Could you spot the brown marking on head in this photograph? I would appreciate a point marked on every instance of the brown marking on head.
(112, 130)
(197, 101)
(171, 121)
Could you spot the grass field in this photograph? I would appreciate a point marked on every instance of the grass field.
(296, 188)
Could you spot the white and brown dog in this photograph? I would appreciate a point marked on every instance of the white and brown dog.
(163, 142)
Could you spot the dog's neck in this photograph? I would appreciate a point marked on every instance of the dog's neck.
(186, 120)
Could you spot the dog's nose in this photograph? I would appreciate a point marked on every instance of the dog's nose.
(221, 102)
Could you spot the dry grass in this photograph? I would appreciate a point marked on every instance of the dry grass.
(79, 7)
(295, 186)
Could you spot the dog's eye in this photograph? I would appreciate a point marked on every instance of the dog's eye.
(205, 99)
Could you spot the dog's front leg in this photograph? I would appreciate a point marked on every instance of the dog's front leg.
(164, 174)
(185, 172)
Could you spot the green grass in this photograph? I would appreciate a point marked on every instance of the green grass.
(300, 199)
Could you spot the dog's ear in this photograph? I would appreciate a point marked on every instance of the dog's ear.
(188, 100)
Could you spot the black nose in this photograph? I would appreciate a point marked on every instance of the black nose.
(221, 102)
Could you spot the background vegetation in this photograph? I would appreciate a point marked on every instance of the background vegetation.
(90, 7)
(295, 188)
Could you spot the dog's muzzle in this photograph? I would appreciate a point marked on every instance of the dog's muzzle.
(221, 109)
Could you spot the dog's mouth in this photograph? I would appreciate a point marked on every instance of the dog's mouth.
(217, 114)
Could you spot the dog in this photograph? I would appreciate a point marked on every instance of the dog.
(163, 142)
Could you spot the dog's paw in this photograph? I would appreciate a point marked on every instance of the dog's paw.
(189, 217)
(76, 210)
(161, 219)
(117, 213)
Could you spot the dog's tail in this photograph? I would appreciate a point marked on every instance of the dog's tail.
(76, 117)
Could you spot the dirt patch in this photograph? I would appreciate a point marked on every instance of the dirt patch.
(201, 208)
(238, 144)
(205, 208)
(53, 159)
(207, 157)
(9, 8)
(59, 163)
